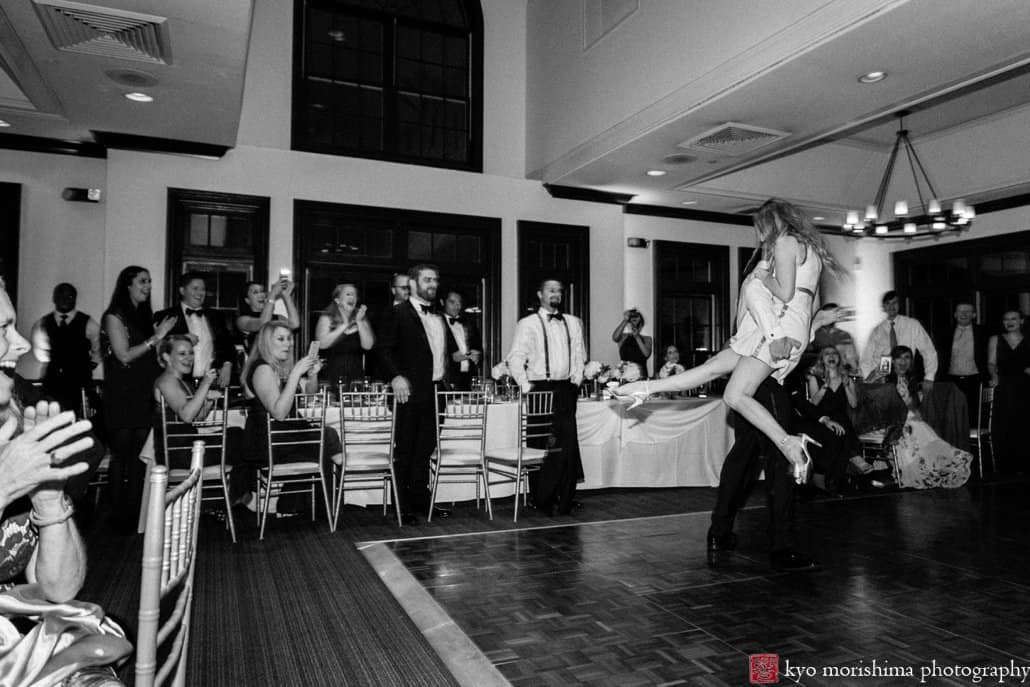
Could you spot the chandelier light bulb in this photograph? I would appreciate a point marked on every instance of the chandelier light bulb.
(852, 217)
(938, 226)
(910, 227)
(870, 213)
(934, 208)
(970, 212)
(901, 208)
(881, 228)
(959, 207)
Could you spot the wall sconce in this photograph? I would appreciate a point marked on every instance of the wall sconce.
(636, 242)
(82, 195)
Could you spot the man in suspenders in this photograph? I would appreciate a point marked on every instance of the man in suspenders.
(548, 355)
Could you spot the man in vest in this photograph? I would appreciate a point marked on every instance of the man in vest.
(74, 340)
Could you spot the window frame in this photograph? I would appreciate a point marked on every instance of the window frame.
(474, 161)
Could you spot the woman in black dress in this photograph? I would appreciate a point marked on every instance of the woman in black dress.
(1008, 361)
(130, 369)
(344, 334)
(826, 418)
(634, 347)
(257, 307)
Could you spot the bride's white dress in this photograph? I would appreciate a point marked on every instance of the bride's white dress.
(762, 317)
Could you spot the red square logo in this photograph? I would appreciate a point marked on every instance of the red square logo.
(764, 668)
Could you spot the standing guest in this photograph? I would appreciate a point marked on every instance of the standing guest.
(964, 355)
(1008, 361)
(257, 308)
(464, 347)
(400, 287)
(272, 380)
(548, 355)
(634, 347)
(413, 355)
(130, 369)
(898, 330)
(344, 334)
(214, 348)
(73, 339)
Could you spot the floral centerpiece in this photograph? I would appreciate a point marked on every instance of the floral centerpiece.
(627, 372)
(596, 373)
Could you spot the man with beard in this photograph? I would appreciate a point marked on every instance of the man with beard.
(548, 355)
(412, 354)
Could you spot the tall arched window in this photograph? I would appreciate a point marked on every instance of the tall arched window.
(397, 80)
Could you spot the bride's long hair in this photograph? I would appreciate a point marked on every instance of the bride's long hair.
(778, 217)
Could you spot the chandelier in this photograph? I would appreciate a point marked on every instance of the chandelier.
(926, 219)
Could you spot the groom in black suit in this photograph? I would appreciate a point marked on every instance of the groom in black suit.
(412, 352)
(214, 348)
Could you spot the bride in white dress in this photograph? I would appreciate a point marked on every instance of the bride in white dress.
(777, 300)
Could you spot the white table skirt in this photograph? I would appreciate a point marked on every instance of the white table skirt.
(663, 443)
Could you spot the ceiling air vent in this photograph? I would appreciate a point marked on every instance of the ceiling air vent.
(105, 32)
(733, 138)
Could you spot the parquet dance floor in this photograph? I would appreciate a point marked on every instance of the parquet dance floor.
(937, 583)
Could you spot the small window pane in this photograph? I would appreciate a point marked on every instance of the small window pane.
(420, 245)
(218, 224)
(468, 249)
(198, 229)
(444, 247)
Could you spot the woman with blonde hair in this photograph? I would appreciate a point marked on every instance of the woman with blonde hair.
(774, 325)
(344, 334)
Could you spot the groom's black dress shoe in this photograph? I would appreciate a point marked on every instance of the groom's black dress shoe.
(788, 560)
(719, 545)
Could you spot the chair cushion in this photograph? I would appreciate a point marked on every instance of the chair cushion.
(457, 456)
(287, 469)
(368, 460)
(510, 454)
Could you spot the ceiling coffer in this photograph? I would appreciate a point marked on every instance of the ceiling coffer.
(105, 32)
(733, 138)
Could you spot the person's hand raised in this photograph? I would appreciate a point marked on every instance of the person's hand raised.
(164, 326)
(359, 315)
(31, 462)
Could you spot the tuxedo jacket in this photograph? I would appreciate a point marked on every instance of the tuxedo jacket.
(979, 351)
(403, 349)
(224, 349)
(472, 341)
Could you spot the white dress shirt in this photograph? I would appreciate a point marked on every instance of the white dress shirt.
(204, 350)
(458, 330)
(565, 352)
(909, 333)
(433, 324)
(963, 362)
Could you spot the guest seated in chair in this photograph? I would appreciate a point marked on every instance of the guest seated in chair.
(924, 460)
(671, 367)
(188, 403)
(826, 417)
(271, 381)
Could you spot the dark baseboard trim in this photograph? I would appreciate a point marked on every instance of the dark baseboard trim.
(683, 213)
(588, 194)
(52, 146)
(150, 144)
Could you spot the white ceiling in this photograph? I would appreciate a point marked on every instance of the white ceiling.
(960, 66)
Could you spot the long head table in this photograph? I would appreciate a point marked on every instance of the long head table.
(663, 443)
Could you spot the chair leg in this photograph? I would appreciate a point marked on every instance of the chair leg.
(434, 477)
(395, 497)
(486, 491)
(228, 509)
(141, 525)
(263, 515)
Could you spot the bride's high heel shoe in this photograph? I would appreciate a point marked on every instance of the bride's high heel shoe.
(804, 468)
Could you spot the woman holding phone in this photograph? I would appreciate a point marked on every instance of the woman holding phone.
(344, 334)
(257, 307)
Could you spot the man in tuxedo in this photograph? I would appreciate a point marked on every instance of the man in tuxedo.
(214, 348)
(548, 355)
(412, 354)
(463, 344)
(964, 355)
(73, 340)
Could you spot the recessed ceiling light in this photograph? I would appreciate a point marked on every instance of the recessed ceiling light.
(656, 172)
(138, 97)
(818, 219)
(689, 202)
(4, 123)
(872, 77)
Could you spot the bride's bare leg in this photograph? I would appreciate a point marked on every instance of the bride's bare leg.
(713, 368)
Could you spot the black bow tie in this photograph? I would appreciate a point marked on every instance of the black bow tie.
(454, 320)
(426, 309)
(199, 312)
(555, 316)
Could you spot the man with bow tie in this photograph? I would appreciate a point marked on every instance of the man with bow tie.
(72, 339)
(214, 348)
(412, 350)
(463, 344)
(548, 355)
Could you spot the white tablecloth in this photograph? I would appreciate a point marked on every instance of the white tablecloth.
(663, 443)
